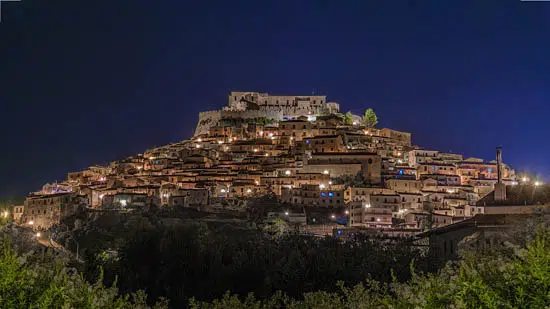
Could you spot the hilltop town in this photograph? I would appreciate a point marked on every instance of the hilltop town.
(312, 165)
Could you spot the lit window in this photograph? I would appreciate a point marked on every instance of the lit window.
(330, 194)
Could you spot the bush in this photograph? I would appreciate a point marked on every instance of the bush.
(38, 280)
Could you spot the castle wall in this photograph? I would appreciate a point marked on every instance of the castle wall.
(206, 120)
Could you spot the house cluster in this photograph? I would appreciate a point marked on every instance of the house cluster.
(301, 151)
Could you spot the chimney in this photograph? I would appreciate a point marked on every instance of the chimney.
(499, 164)
(500, 187)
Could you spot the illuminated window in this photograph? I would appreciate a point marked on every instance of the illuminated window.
(330, 194)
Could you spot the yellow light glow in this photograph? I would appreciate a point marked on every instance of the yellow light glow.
(199, 140)
(255, 150)
(37, 234)
(322, 186)
(248, 191)
(6, 214)
(287, 172)
(31, 222)
(367, 205)
(325, 172)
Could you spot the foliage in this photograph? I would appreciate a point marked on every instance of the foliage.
(181, 262)
(348, 118)
(492, 278)
(370, 119)
(36, 280)
(277, 228)
(350, 181)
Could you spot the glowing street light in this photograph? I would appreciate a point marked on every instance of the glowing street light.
(255, 149)
(347, 212)
(537, 183)
(333, 217)
(270, 134)
(123, 203)
(367, 205)
(248, 191)
(230, 139)
(322, 186)
(325, 172)
(222, 190)
(37, 235)
(5, 214)
(31, 222)
(286, 213)
(287, 172)
(199, 140)
(524, 179)
(330, 182)
(220, 142)
(257, 183)
(101, 196)
(197, 146)
(377, 219)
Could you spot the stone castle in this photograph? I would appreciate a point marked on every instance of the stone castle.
(253, 105)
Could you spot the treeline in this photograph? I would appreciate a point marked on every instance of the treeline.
(33, 277)
(183, 262)
(196, 267)
(506, 276)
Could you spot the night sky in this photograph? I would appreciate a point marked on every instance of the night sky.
(86, 82)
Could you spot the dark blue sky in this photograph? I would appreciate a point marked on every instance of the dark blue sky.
(84, 82)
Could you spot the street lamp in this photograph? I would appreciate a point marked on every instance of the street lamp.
(286, 213)
(287, 172)
(37, 235)
(5, 214)
(333, 216)
(367, 205)
(347, 212)
(31, 222)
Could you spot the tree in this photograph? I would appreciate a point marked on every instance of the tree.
(348, 118)
(370, 119)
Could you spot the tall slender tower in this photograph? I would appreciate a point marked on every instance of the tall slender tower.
(500, 187)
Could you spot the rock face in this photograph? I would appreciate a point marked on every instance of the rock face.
(249, 105)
